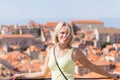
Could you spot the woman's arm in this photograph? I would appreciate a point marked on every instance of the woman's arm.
(44, 71)
(78, 55)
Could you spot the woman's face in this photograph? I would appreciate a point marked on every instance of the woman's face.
(63, 35)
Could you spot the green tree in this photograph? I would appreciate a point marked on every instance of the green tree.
(105, 44)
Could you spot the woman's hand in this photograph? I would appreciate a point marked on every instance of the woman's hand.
(17, 76)
(116, 77)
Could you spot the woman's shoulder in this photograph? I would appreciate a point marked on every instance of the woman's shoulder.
(77, 51)
(75, 54)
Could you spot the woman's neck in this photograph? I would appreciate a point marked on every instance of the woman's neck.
(63, 46)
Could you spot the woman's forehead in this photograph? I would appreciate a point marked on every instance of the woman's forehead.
(64, 29)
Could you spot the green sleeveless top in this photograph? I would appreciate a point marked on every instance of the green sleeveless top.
(66, 64)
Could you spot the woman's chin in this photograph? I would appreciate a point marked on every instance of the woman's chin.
(62, 42)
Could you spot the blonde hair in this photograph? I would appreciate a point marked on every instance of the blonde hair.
(70, 32)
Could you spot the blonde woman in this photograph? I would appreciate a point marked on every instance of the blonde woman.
(61, 59)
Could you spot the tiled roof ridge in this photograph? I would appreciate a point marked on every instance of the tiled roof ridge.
(108, 30)
(87, 21)
(18, 35)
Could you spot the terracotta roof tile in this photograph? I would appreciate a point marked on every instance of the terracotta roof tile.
(3, 56)
(87, 21)
(17, 36)
(15, 47)
(108, 30)
(44, 53)
(101, 62)
(117, 67)
(77, 76)
(51, 24)
(95, 75)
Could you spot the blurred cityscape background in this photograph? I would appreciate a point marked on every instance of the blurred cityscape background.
(23, 48)
(26, 31)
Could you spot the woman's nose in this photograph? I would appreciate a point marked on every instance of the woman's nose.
(64, 35)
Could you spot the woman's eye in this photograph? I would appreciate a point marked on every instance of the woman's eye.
(62, 32)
